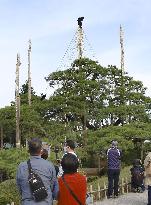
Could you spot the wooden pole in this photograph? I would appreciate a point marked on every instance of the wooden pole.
(142, 150)
(1, 137)
(17, 103)
(122, 49)
(80, 53)
(80, 37)
(29, 74)
(122, 69)
(84, 127)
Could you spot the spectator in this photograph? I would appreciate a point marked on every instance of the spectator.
(137, 176)
(55, 189)
(113, 157)
(147, 165)
(40, 166)
(44, 154)
(69, 148)
(73, 180)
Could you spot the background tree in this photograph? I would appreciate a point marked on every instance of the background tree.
(93, 96)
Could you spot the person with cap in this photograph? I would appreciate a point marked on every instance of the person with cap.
(114, 162)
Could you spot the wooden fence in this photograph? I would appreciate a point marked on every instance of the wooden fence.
(101, 192)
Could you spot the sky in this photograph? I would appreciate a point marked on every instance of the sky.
(51, 25)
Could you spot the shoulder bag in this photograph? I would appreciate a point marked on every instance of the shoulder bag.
(36, 184)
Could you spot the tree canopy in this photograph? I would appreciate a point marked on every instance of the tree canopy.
(89, 101)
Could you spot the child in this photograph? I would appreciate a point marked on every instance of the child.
(137, 176)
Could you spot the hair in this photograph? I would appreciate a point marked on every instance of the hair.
(114, 143)
(44, 154)
(69, 163)
(136, 162)
(34, 146)
(71, 144)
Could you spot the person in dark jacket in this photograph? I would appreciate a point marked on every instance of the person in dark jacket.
(137, 176)
(114, 163)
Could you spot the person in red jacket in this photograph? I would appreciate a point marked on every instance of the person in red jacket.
(72, 185)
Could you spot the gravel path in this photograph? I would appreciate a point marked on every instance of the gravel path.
(126, 199)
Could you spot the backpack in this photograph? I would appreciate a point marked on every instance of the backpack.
(36, 184)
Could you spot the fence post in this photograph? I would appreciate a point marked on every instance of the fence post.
(99, 193)
(91, 193)
(122, 186)
(105, 191)
(126, 180)
(12, 203)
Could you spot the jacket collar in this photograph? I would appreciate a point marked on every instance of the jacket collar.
(35, 157)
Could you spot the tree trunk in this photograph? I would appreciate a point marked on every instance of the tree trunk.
(84, 127)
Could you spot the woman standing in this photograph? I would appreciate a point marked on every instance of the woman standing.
(72, 185)
(147, 165)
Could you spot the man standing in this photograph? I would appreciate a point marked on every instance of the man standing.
(69, 148)
(113, 157)
(41, 167)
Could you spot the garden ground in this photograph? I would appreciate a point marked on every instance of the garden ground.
(126, 199)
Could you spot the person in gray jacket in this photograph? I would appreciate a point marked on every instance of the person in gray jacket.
(40, 166)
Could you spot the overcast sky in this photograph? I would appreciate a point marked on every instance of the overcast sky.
(51, 25)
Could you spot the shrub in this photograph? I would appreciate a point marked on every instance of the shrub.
(9, 192)
(10, 159)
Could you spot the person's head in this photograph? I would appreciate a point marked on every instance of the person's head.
(69, 163)
(44, 154)
(35, 146)
(114, 143)
(70, 145)
(136, 162)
